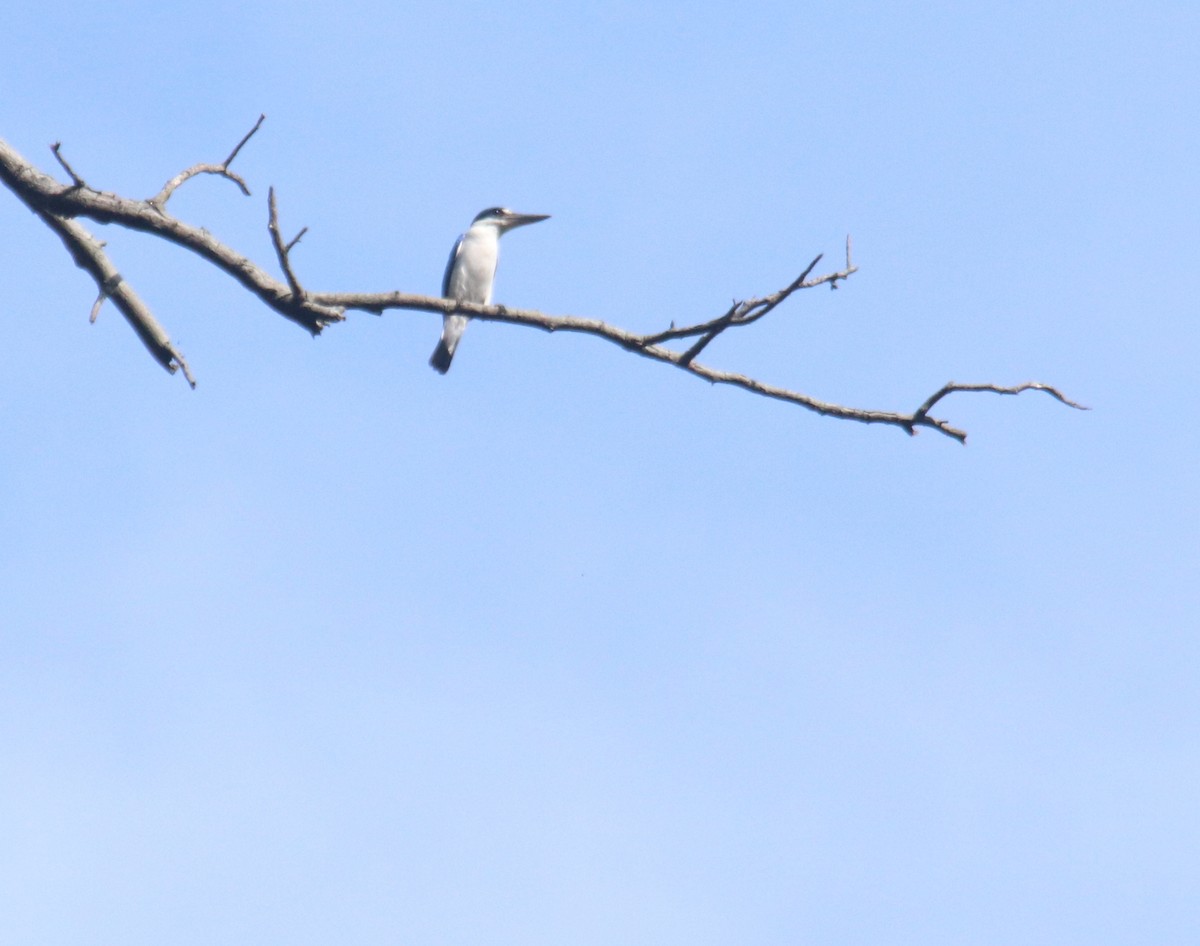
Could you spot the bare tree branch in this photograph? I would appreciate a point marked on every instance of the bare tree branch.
(90, 256)
(58, 205)
(920, 417)
(43, 194)
(160, 199)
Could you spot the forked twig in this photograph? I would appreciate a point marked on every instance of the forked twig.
(282, 250)
(159, 200)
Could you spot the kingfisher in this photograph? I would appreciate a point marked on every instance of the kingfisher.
(471, 272)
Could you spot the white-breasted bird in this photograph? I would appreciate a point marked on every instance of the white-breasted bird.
(471, 272)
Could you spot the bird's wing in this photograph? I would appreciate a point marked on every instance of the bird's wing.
(450, 266)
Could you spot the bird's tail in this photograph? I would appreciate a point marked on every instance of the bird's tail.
(441, 357)
(452, 329)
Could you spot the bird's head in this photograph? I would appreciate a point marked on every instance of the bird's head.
(504, 219)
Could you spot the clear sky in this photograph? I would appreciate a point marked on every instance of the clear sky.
(568, 647)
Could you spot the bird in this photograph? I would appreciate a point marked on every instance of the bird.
(471, 271)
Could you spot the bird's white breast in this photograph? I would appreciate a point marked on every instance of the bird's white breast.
(475, 266)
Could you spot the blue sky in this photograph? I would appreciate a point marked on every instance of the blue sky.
(566, 647)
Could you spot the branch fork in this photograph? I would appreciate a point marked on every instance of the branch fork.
(283, 250)
(159, 200)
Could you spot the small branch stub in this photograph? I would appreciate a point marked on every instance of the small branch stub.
(76, 180)
(106, 289)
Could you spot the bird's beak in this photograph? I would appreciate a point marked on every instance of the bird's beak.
(521, 220)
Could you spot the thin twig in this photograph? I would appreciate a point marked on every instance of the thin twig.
(281, 249)
(246, 137)
(75, 178)
(296, 239)
(673, 331)
(920, 417)
(748, 312)
(760, 307)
